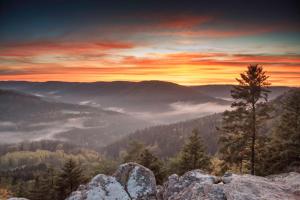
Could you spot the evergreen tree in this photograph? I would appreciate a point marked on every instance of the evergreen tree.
(193, 155)
(44, 187)
(250, 98)
(36, 192)
(150, 161)
(284, 147)
(48, 184)
(134, 151)
(69, 179)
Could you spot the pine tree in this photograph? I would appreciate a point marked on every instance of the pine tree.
(250, 97)
(193, 155)
(150, 161)
(44, 187)
(134, 151)
(48, 184)
(36, 193)
(284, 147)
(69, 179)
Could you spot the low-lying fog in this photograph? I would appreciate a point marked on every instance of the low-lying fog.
(80, 122)
(179, 111)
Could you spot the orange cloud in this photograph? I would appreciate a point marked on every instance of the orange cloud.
(183, 68)
(48, 47)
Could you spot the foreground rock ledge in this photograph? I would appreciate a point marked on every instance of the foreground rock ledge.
(132, 181)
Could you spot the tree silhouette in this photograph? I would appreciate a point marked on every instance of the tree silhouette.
(250, 95)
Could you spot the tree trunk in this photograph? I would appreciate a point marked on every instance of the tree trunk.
(253, 140)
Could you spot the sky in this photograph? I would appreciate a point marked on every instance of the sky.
(186, 42)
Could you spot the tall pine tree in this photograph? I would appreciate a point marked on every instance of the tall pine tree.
(193, 155)
(250, 97)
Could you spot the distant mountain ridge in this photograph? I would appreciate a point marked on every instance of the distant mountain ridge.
(167, 90)
(154, 91)
(155, 101)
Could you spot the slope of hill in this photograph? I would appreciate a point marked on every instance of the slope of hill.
(167, 140)
(27, 117)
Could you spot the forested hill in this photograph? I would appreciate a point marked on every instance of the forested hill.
(167, 140)
(28, 117)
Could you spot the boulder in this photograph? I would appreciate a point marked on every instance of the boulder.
(240, 187)
(131, 181)
(198, 185)
(101, 187)
(290, 180)
(138, 181)
(192, 185)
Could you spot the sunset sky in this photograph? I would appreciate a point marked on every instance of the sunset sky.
(187, 42)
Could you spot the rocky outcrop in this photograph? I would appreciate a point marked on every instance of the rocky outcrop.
(197, 185)
(131, 181)
(241, 187)
(193, 185)
(135, 182)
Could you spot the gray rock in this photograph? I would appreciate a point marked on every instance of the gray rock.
(101, 187)
(130, 182)
(291, 180)
(138, 181)
(248, 187)
(193, 185)
(227, 177)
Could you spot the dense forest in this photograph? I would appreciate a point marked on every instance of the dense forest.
(255, 136)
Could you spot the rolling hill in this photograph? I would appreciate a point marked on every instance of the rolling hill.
(155, 101)
(28, 117)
